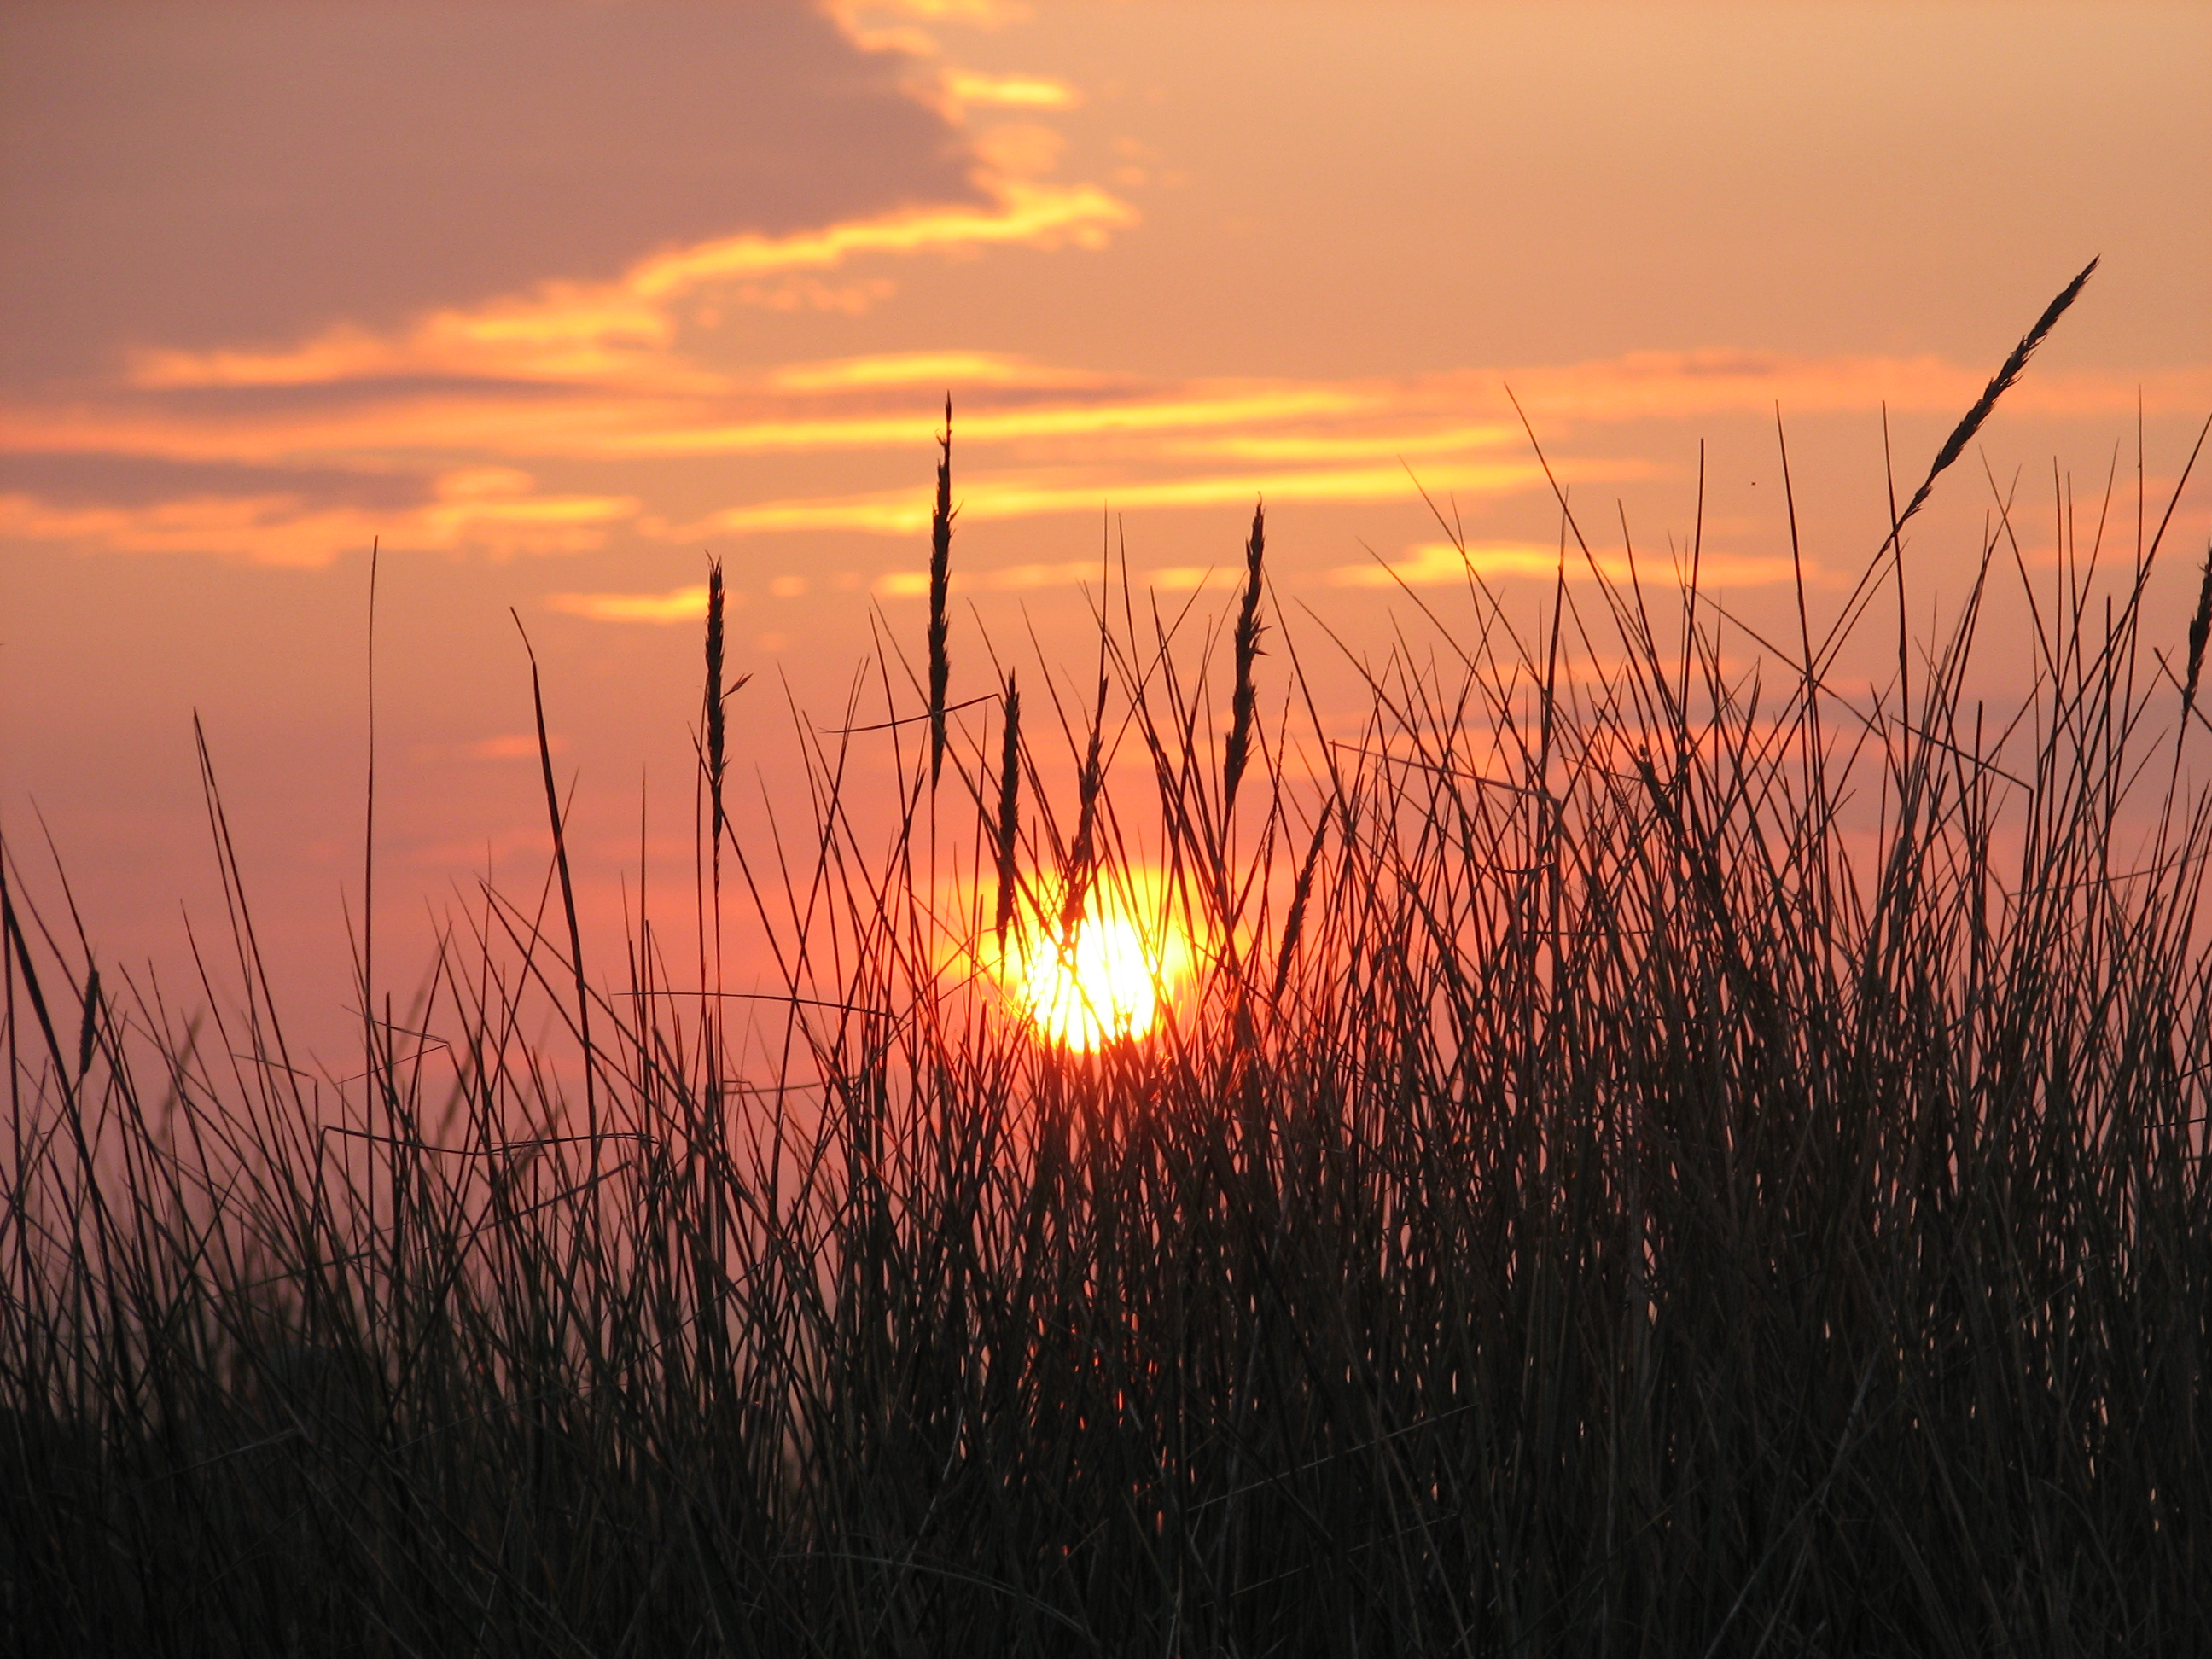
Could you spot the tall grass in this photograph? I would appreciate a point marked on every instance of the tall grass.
(1659, 1154)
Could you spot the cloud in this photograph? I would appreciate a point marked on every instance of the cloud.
(931, 368)
(423, 436)
(319, 404)
(1675, 385)
(906, 511)
(273, 530)
(977, 14)
(1433, 564)
(267, 321)
(619, 333)
(271, 170)
(1190, 578)
(494, 512)
(1006, 578)
(500, 510)
(1022, 578)
(965, 87)
(1337, 446)
(118, 479)
(1196, 406)
(680, 605)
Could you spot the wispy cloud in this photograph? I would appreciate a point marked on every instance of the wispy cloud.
(680, 605)
(495, 424)
(477, 404)
(965, 87)
(1433, 564)
(932, 368)
(493, 512)
(906, 512)
(1672, 385)
(1178, 410)
(265, 530)
(1006, 578)
(619, 333)
(857, 15)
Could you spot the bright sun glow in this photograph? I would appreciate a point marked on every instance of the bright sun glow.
(1104, 983)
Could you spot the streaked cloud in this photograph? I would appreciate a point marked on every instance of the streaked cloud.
(493, 512)
(434, 428)
(265, 172)
(932, 368)
(619, 333)
(906, 511)
(1433, 564)
(858, 14)
(1190, 578)
(505, 357)
(257, 458)
(1006, 578)
(965, 87)
(679, 604)
(1196, 406)
(275, 530)
(1331, 446)
(1674, 385)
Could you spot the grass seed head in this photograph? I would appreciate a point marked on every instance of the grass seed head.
(1248, 629)
(940, 582)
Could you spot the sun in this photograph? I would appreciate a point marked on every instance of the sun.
(1104, 982)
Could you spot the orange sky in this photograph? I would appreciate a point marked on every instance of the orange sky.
(553, 298)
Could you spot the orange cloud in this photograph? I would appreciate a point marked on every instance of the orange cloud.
(906, 511)
(489, 511)
(1189, 578)
(1271, 421)
(265, 529)
(1671, 385)
(930, 369)
(966, 86)
(1436, 563)
(1006, 578)
(980, 14)
(1337, 446)
(681, 604)
(1068, 439)
(1200, 406)
(621, 331)
(1169, 578)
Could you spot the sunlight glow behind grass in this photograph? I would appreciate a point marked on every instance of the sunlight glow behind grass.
(1105, 981)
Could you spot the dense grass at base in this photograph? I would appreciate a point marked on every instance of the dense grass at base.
(1659, 1156)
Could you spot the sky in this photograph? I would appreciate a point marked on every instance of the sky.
(550, 302)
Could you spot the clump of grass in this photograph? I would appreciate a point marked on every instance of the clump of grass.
(1690, 1176)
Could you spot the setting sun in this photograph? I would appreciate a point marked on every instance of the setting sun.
(1105, 981)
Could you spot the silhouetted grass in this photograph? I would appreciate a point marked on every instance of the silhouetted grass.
(1648, 1163)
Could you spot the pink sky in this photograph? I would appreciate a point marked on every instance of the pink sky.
(554, 298)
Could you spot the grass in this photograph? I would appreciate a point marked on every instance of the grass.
(1659, 1154)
